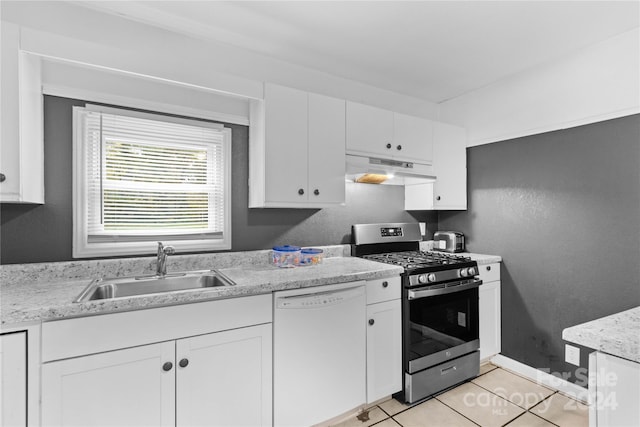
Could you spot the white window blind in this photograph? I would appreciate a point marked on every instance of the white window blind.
(152, 178)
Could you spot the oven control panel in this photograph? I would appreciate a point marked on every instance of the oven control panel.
(391, 232)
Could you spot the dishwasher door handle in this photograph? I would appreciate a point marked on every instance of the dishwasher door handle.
(318, 299)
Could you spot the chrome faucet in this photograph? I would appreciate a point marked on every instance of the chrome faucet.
(161, 264)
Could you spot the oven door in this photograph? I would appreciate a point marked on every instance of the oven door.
(440, 324)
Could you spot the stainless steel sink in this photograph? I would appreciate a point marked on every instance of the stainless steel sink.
(145, 285)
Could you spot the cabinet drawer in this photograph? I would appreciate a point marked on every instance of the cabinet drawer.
(489, 272)
(94, 334)
(383, 289)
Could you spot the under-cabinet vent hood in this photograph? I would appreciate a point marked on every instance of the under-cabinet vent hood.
(372, 170)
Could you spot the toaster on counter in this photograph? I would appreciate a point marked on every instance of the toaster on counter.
(448, 241)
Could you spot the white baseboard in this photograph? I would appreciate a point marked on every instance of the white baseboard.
(543, 378)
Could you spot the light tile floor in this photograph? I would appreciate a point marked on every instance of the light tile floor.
(495, 398)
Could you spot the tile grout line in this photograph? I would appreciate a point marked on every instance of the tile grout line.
(489, 391)
(454, 410)
(542, 418)
(513, 403)
(389, 418)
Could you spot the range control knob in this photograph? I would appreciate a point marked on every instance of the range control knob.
(464, 272)
(431, 277)
(472, 271)
(422, 278)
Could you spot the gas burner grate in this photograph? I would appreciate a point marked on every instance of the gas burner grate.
(417, 259)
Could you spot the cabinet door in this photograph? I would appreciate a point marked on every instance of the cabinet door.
(450, 165)
(285, 144)
(615, 391)
(21, 138)
(489, 319)
(412, 139)
(224, 379)
(10, 138)
(13, 372)
(369, 130)
(384, 349)
(326, 149)
(119, 388)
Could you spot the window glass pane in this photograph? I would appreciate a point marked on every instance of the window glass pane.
(144, 178)
(152, 211)
(138, 162)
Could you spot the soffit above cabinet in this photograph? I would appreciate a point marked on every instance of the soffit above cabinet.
(463, 45)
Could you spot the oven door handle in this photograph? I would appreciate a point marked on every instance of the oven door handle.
(443, 291)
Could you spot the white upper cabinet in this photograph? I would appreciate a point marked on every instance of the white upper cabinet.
(414, 136)
(297, 150)
(286, 150)
(449, 192)
(381, 133)
(21, 146)
(369, 130)
(326, 150)
(450, 165)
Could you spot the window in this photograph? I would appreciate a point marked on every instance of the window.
(141, 178)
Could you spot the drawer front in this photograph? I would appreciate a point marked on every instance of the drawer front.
(94, 334)
(489, 272)
(380, 290)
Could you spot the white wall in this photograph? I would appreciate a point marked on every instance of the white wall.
(66, 31)
(598, 83)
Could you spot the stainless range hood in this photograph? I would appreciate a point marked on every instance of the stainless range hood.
(373, 170)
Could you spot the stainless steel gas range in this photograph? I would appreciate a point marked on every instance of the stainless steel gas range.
(440, 336)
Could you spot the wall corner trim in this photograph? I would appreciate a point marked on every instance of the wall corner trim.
(563, 386)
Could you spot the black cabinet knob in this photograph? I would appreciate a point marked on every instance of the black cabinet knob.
(437, 197)
(488, 268)
(183, 363)
(3, 177)
(301, 191)
(316, 192)
(371, 321)
(399, 147)
(385, 284)
(167, 366)
(388, 145)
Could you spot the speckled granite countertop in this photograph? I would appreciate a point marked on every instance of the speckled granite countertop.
(39, 293)
(481, 259)
(617, 334)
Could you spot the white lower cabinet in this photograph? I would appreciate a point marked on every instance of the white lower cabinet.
(226, 380)
(614, 389)
(219, 379)
(384, 349)
(384, 338)
(119, 388)
(206, 363)
(489, 311)
(13, 375)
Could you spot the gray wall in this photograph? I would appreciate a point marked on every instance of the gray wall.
(44, 233)
(563, 210)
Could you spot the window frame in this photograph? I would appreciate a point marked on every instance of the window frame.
(83, 248)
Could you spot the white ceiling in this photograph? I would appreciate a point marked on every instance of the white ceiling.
(433, 50)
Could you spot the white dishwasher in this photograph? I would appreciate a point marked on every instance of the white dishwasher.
(319, 346)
